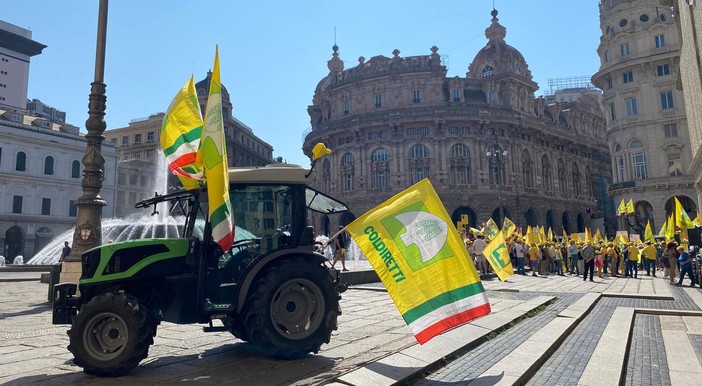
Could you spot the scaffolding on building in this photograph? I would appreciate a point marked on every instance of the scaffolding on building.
(569, 82)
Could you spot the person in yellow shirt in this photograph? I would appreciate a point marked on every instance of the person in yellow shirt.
(650, 254)
(632, 261)
(612, 259)
(534, 258)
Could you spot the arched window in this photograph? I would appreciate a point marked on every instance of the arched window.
(546, 173)
(379, 168)
(49, 165)
(562, 177)
(418, 163)
(496, 161)
(487, 71)
(21, 162)
(527, 169)
(347, 171)
(577, 184)
(326, 175)
(638, 160)
(460, 164)
(75, 169)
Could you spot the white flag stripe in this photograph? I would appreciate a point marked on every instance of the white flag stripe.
(441, 313)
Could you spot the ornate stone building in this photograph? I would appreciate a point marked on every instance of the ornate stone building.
(647, 128)
(486, 143)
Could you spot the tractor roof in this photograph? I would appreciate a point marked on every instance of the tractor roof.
(283, 173)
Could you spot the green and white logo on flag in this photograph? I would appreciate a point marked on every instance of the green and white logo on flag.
(421, 235)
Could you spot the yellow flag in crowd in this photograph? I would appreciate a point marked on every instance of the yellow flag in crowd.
(491, 229)
(670, 230)
(497, 255)
(550, 234)
(663, 228)
(565, 236)
(697, 220)
(588, 235)
(682, 220)
(630, 206)
(412, 244)
(648, 233)
(508, 227)
(542, 235)
(598, 236)
(622, 208)
(531, 238)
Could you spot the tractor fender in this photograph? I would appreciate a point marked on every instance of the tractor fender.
(257, 266)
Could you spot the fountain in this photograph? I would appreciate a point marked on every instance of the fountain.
(136, 226)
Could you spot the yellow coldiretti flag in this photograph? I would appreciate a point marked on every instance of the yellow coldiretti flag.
(682, 220)
(630, 206)
(550, 234)
(213, 157)
(648, 233)
(565, 236)
(588, 235)
(491, 229)
(498, 257)
(508, 227)
(411, 243)
(181, 130)
(622, 208)
(576, 237)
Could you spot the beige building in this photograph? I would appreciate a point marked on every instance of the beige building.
(647, 129)
(689, 20)
(16, 49)
(487, 144)
(139, 145)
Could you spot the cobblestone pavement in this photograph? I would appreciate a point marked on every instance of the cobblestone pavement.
(647, 362)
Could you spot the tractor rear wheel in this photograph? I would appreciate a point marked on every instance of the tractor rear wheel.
(111, 334)
(292, 308)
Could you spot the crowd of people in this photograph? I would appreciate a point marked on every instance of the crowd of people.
(589, 259)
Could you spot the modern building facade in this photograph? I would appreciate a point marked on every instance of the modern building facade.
(647, 128)
(487, 144)
(689, 21)
(40, 181)
(16, 48)
(139, 145)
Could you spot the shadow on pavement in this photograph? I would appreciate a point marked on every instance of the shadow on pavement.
(31, 310)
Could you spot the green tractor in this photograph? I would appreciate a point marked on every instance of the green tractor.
(270, 288)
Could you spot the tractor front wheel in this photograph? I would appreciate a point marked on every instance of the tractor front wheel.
(292, 308)
(110, 335)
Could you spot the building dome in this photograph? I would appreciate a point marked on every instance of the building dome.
(497, 57)
(203, 87)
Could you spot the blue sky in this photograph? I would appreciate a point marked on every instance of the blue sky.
(273, 53)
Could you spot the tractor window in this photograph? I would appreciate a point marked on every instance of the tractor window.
(263, 213)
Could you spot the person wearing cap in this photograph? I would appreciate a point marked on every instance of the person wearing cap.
(649, 253)
(685, 260)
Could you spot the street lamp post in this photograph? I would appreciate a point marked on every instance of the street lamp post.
(88, 230)
(496, 154)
